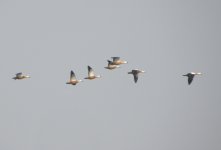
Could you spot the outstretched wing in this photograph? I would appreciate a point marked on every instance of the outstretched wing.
(72, 76)
(190, 79)
(115, 58)
(19, 74)
(135, 77)
(90, 71)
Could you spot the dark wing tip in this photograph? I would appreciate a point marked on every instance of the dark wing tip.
(89, 69)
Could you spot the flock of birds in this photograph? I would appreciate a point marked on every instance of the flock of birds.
(115, 63)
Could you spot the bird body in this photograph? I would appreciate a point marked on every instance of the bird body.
(191, 75)
(135, 73)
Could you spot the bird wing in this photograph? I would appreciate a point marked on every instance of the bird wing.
(72, 76)
(109, 62)
(19, 74)
(135, 77)
(115, 58)
(90, 71)
(190, 79)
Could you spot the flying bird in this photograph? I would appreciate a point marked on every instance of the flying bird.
(111, 66)
(19, 76)
(73, 80)
(135, 73)
(191, 75)
(118, 61)
(91, 74)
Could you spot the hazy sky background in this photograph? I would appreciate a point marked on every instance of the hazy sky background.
(166, 38)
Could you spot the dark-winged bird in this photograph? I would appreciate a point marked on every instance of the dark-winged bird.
(135, 73)
(191, 75)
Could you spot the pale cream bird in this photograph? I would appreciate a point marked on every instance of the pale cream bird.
(118, 61)
(91, 74)
(111, 66)
(73, 80)
(19, 76)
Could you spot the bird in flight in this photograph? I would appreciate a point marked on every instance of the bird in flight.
(135, 73)
(19, 76)
(118, 61)
(73, 80)
(111, 66)
(191, 75)
(91, 74)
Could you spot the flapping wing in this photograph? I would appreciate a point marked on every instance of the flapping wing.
(19, 74)
(135, 77)
(115, 58)
(90, 71)
(72, 76)
(109, 62)
(190, 79)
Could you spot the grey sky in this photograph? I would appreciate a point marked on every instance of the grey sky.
(48, 38)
